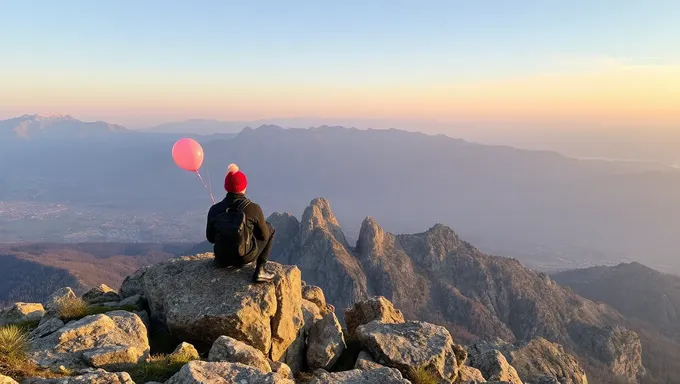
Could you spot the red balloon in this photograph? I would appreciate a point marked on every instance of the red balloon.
(188, 154)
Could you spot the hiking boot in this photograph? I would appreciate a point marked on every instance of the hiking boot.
(262, 276)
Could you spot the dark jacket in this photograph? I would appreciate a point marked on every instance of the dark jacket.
(253, 214)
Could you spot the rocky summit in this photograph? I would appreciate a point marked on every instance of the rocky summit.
(265, 333)
(438, 277)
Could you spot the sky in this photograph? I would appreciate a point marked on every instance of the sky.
(140, 63)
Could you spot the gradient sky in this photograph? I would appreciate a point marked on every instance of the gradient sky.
(145, 62)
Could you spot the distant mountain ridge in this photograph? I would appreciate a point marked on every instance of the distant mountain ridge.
(55, 126)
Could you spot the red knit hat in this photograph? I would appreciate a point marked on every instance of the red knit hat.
(236, 181)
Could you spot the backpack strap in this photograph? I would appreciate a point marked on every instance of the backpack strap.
(242, 206)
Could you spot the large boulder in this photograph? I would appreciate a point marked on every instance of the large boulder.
(202, 372)
(47, 326)
(7, 380)
(133, 284)
(295, 356)
(325, 343)
(365, 362)
(231, 350)
(21, 313)
(381, 375)
(197, 302)
(112, 340)
(316, 296)
(52, 302)
(494, 366)
(101, 294)
(410, 347)
(539, 358)
(96, 377)
(375, 308)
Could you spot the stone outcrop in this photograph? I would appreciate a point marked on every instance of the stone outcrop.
(295, 356)
(494, 367)
(381, 375)
(316, 296)
(365, 362)
(539, 358)
(201, 372)
(52, 302)
(375, 308)
(318, 247)
(21, 313)
(469, 375)
(411, 346)
(96, 377)
(101, 294)
(326, 343)
(265, 316)
(438, 277)
(112, 340)
(615, 346)
(227, 349)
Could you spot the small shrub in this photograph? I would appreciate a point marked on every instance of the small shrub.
(13, 344)
(70, 308)
(423, 376)
(14, 347)
(159, 368)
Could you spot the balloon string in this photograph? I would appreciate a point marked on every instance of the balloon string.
(209, 182)
(206, 187)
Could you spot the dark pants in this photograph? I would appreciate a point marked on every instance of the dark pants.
(259, 253)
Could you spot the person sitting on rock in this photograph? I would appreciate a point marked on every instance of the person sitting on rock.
(238, 229)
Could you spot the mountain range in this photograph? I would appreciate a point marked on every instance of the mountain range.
(550, 211)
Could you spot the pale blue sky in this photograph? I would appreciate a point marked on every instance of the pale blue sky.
(338, 43)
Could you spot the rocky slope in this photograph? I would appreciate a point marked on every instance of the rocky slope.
(281, 332)
(436, 276)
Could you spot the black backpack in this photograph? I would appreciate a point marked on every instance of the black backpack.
(233, 232)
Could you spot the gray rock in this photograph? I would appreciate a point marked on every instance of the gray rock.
(494, 367)
(52, 302)
(7, 380)
(539, 358)
(231, 350)
(21, 313)
(326, 343)
(316, 296)
(365, 362)
(295, 356)
(281, 369)
(101, 294)
(133, 301)
(133, 284)
(187, 350)
(110, 340)
(469, 375)
(411, 346)
(97, 377)
(202, 372)
(225, 302)
(375, 308)
(146, 319)
(617, 347)
(382, 375)
(46, 327)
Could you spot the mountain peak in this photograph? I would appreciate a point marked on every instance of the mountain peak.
(371, 235)
(319, 215)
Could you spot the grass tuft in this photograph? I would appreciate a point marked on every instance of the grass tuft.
(76, 308)
(14, 346)
(423, 376)
(13, 343)
(71, 308)
(159, 368)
